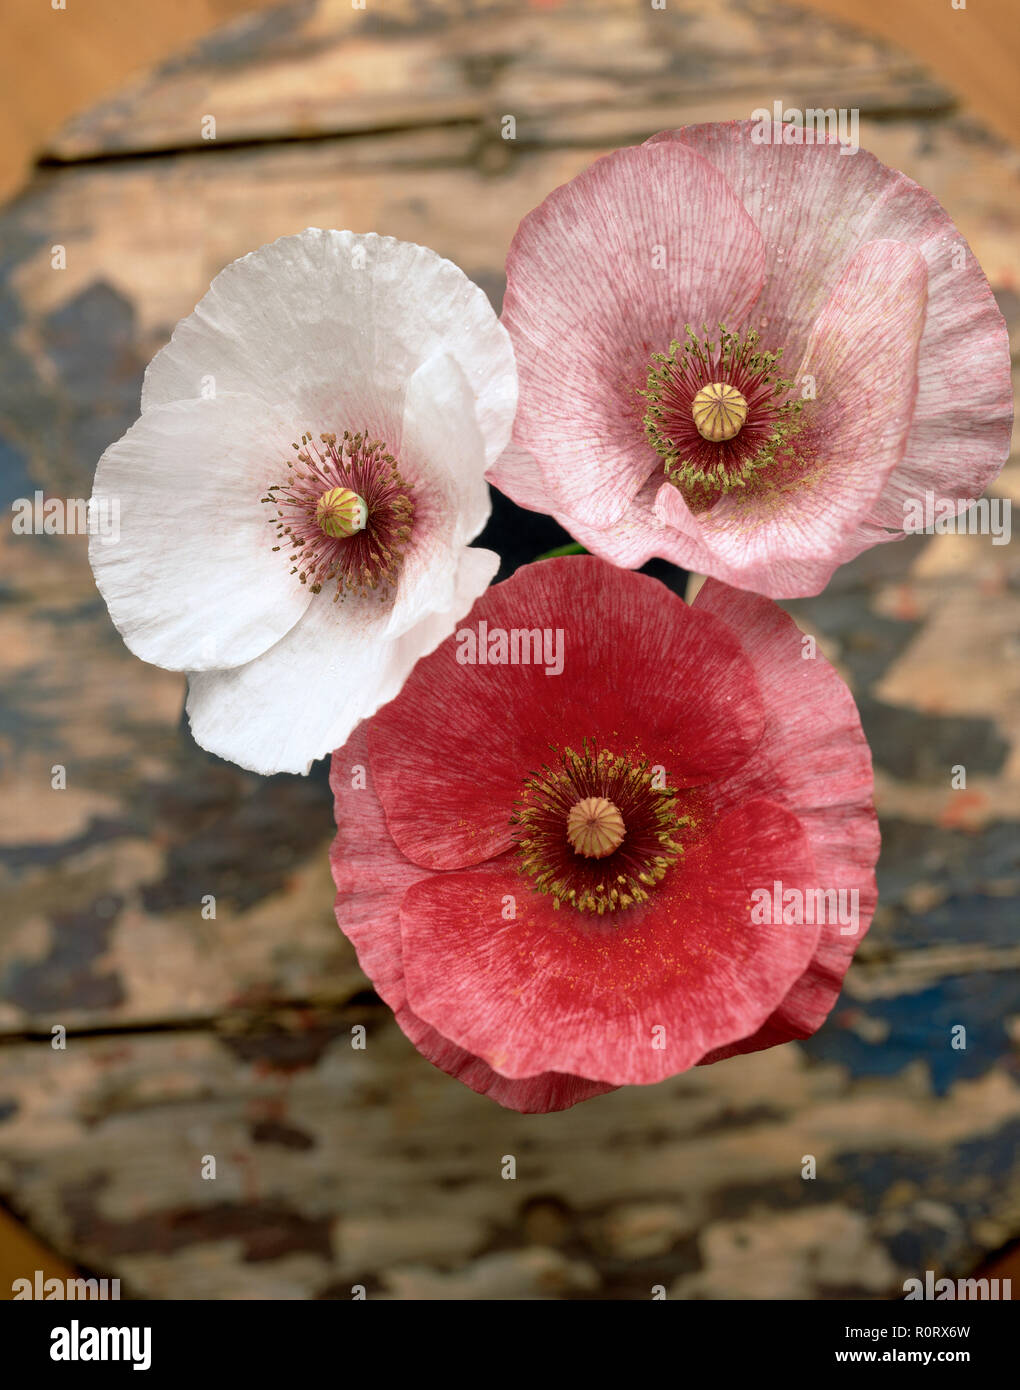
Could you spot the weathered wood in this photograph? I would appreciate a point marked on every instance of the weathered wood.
(337, 1166)
(600, 70)
(232, 1036)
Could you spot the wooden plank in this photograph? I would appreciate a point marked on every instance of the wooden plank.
(329, 69)
(21, 1255)
(337, 1166)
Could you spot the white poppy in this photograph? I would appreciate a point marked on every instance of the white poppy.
(298, 496)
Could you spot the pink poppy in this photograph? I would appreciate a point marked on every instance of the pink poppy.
(750, 359)
(573, 862)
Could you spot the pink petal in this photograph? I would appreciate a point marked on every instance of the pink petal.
(814, 207)
(819, 207)
(862, 352)
(547, 1091)
(630, 542)
(371, 877)
(642, 672)
(643, 534)
(814, 759)
(587, 305)
(963, 412)
(517, 475)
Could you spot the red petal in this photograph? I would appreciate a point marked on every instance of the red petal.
(547, 1091)
(372, 876)
(814, 759)
(370, 873)
(568, 992)
(643, 673)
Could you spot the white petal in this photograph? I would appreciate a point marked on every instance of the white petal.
(337, 323)
(303, 697)
(192, 581)
(443, 457)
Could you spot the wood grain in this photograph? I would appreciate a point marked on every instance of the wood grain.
(88, 51)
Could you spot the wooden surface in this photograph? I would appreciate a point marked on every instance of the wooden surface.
(89, 50)
(232, 1037)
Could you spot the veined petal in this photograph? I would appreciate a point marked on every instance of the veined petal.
(192, 582)
(642, 534)
(507, 972)
(449, 786)
(516, 474)
(543, 1093)
(442, 455)
(371, 877)
(334, 668)
(815, 760)
(602, 275)
(551, 991)
(335, 324)
(815, 207)
(370, 873)
(963, 412)
(786, 538)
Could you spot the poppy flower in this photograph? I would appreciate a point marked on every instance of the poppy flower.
(561, 874)
(749, 358)
(297, 498)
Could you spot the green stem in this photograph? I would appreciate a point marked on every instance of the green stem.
(572, 549)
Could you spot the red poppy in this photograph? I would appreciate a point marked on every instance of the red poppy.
(602, 836)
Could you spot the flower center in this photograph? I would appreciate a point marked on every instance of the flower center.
(344, 513)
(341, 512)
(596, 830)
(595, 827)
(718, 413)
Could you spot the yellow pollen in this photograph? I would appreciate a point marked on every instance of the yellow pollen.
(341, 512)
(595, 827)
(719, 412)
